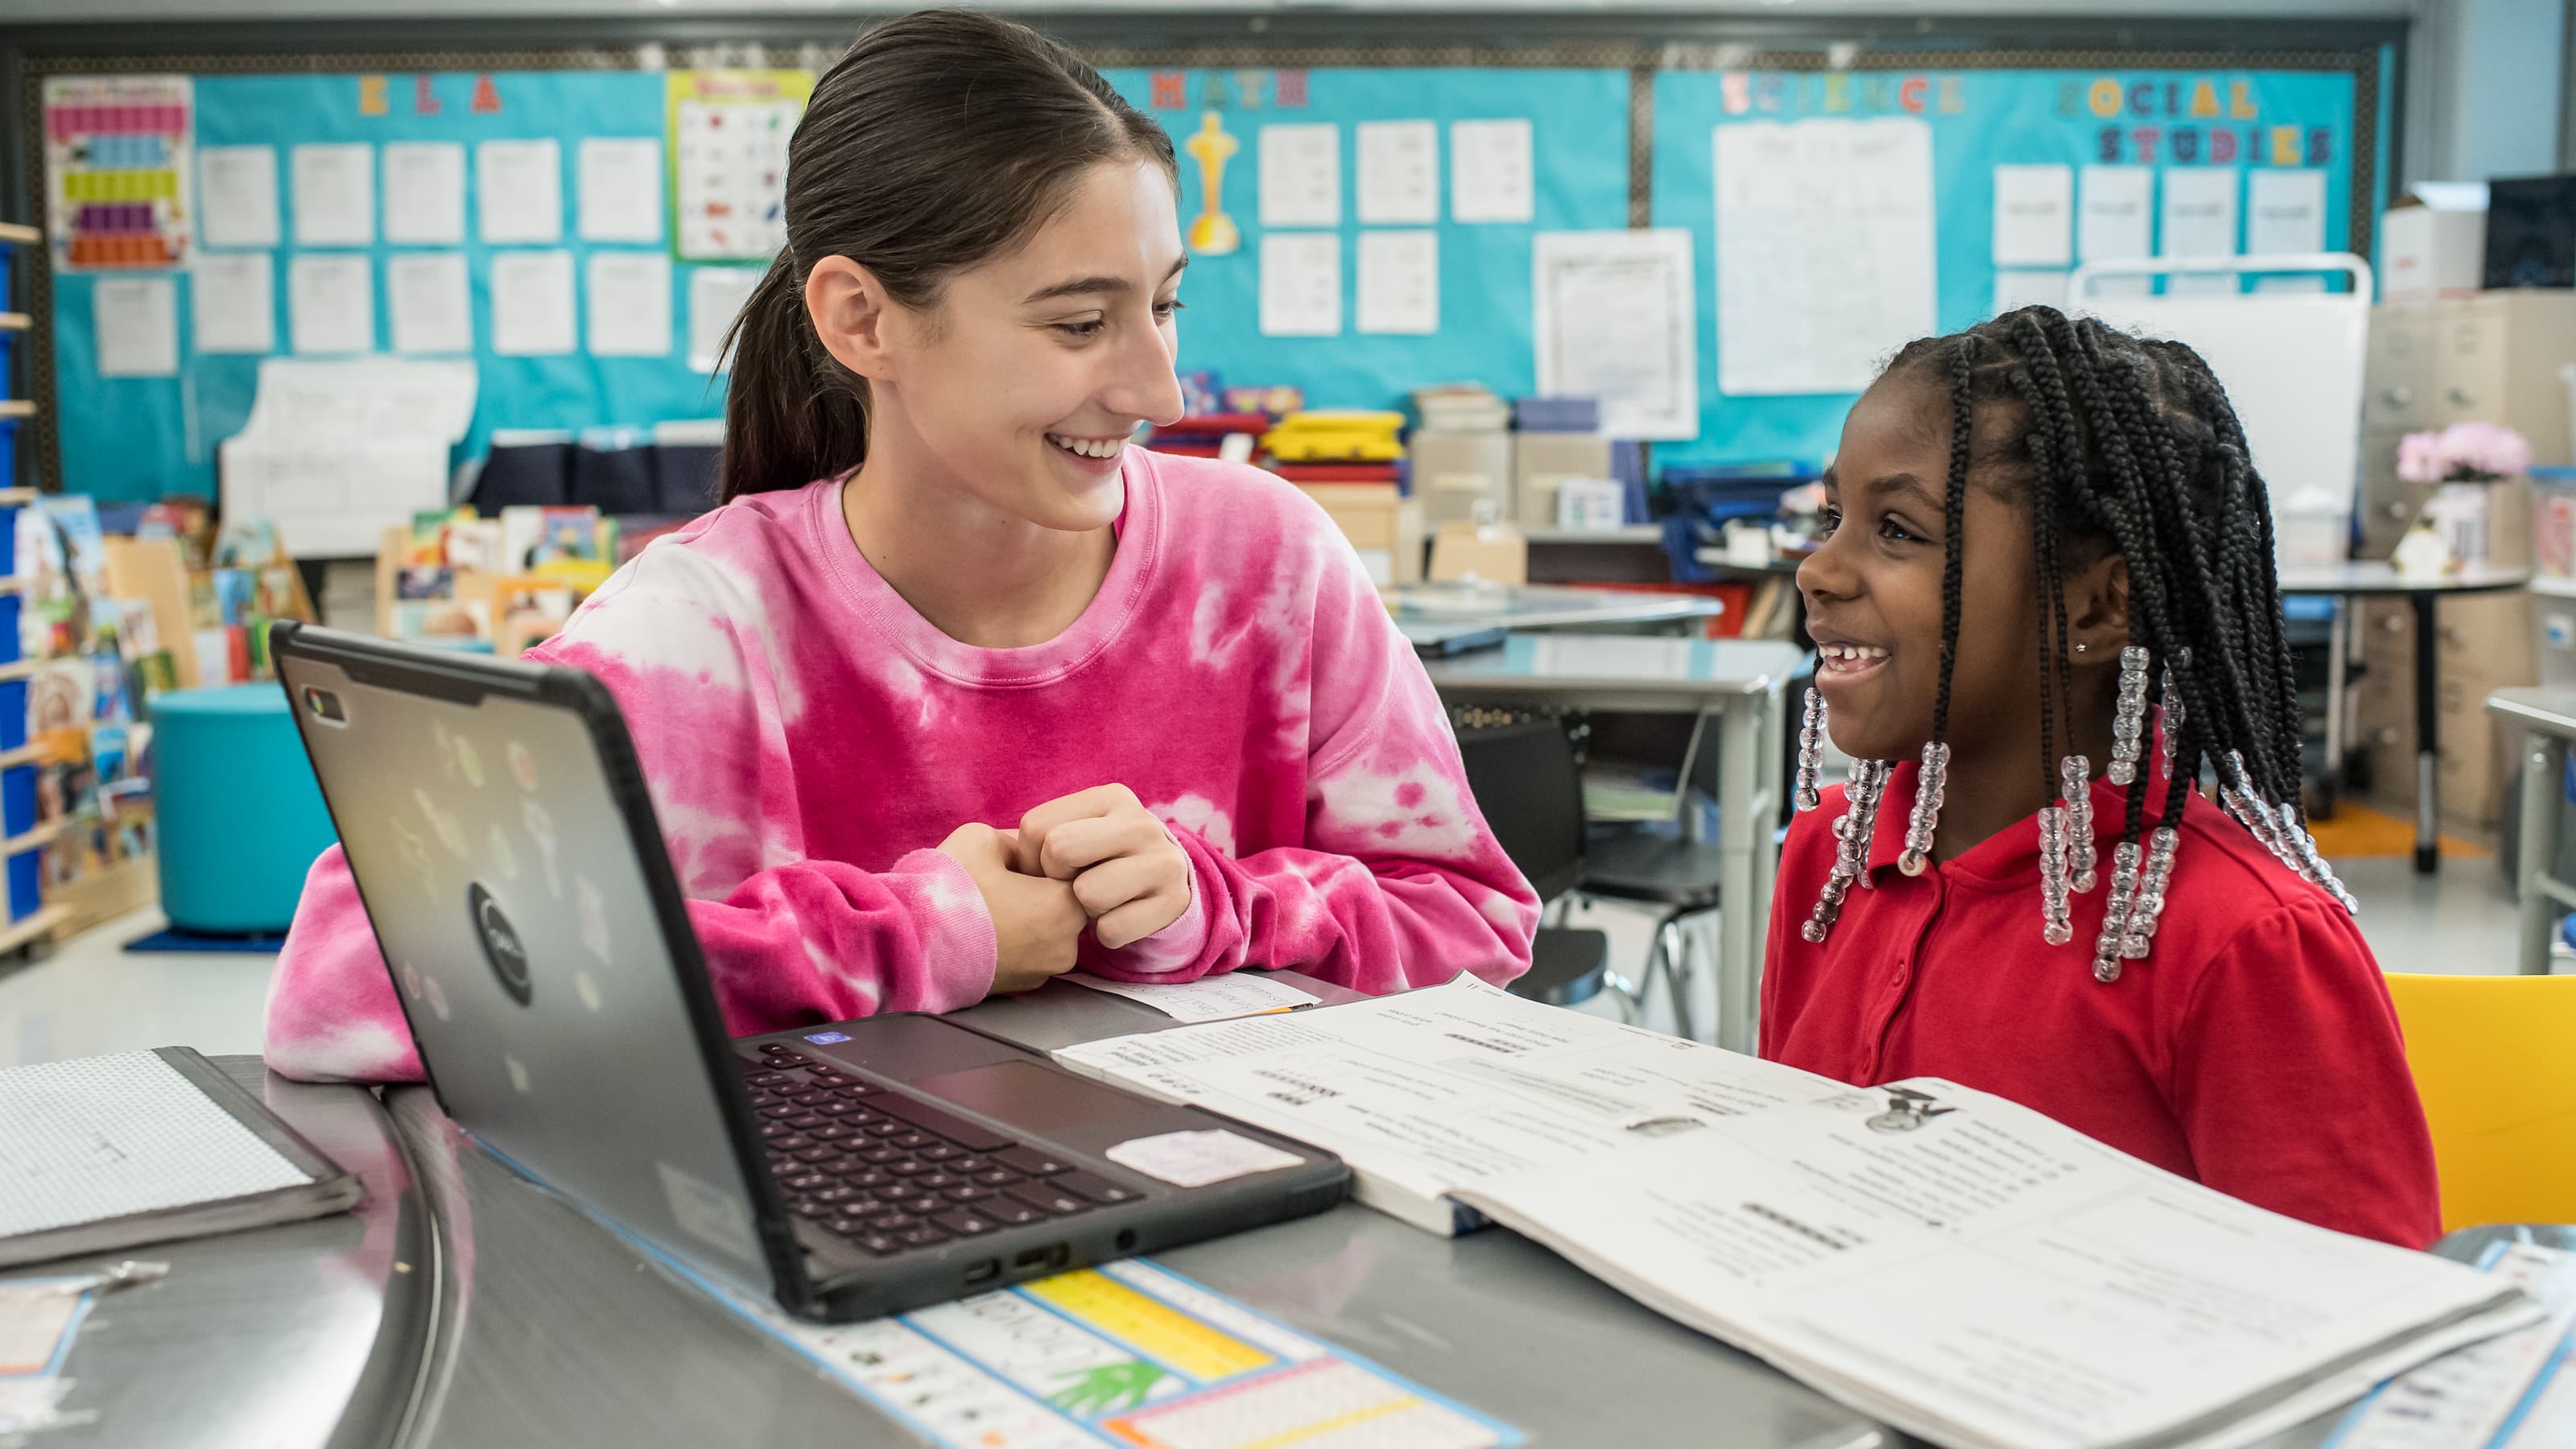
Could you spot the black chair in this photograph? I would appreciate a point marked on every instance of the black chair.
(1655, 867)
(1524, 778)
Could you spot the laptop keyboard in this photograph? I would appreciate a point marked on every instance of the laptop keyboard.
(891, 1172)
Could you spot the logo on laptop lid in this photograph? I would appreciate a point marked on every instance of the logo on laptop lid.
(501, 946)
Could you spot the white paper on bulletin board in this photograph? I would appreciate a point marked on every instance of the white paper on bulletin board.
(1616, 317)
(1824, 251)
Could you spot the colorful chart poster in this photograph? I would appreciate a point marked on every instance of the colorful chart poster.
(729, 134)
(117, 169)
(1126, 1355)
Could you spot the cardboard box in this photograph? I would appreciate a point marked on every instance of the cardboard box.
(1497, 555)
(1385, 527)
(2433, 243)
(1461, 477)
(1540, 461)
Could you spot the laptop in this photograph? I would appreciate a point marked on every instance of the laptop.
(500, 834)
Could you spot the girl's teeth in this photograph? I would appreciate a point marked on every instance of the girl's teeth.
(1086, 447)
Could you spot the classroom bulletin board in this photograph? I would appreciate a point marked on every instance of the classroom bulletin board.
(1625, 137)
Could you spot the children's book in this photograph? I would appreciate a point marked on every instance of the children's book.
(1953, 1264)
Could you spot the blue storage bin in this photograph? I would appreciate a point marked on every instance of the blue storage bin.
(13, 713)
(8, 479)
(239, 815)
(12, 326)
(17, 800)
(12, 645)
(26, 883)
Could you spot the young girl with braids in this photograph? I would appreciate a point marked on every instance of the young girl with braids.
(2046, 591)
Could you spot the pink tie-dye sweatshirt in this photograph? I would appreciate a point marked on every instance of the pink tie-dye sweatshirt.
(808, 739)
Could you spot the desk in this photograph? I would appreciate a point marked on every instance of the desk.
(2548, 720)
(1538, 606)
(466, 1307)
(2354, 580)
(292, 1337)
(1741, 681)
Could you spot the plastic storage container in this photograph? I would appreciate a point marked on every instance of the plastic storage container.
(240, 816)
(2553, 523)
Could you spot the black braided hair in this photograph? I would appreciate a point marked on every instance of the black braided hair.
(2129, 446)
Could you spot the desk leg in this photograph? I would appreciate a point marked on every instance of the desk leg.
(2544, 767)
(1748, 775)
(2338, 670)
(2428, 744)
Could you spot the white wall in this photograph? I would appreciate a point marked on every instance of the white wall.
(2485, 89)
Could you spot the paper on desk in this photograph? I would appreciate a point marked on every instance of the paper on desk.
(1399, 173)
(1210, 998)
(1615, 316)
(1439, 1089)
(335, 194)
(621, 188)
(1301, 174)
(331, 302)
(630, 304)
(519, 192)
(1824, 251)
(1978, 1275)
(425, 193)
(2479, 1396)
(1301, 284)
(237, 196)
(232, 300)
(1127, 1353)
(532, 306)
(135, 321)
(1399, 282)
(716, 295)
(431, 306)
(2034, 216)
(2285, 211)
(1490, 172)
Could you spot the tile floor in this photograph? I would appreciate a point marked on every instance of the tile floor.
(90, 996)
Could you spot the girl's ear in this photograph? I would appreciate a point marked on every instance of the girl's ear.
(850, 314)
(2097, 609)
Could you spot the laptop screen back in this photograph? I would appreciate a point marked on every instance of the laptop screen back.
(501, 875)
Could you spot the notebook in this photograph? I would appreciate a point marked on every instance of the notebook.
(103, 1153)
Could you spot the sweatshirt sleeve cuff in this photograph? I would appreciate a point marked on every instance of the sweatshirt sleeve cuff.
(958, 947)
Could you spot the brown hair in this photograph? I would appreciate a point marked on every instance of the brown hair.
(942, 139)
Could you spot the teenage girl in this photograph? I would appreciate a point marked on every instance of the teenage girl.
(2047, 590)
(956, 689)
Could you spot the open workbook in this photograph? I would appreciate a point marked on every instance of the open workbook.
(1958, 1266)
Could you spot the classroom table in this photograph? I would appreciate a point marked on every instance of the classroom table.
(2357, 579)
(2548, 720)
(462, 1306)
(1541, 606)
(1743, 682)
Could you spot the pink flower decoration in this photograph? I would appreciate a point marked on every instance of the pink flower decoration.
(2419, 458)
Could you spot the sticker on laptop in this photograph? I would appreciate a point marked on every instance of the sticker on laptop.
(1195, 1159)
(828, 1038)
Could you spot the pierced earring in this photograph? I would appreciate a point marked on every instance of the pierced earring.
(2075, 782)
(2129, 723)
(1811, 751)
(1926, 818)
(2080, 648)
(1852, 832)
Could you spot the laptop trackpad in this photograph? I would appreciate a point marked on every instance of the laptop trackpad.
(1053, 1104)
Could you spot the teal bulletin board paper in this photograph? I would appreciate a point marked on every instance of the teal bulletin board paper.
(1579, 156)
(139, 438)
(1979, 119)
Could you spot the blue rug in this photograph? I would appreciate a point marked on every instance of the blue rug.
(175, 939)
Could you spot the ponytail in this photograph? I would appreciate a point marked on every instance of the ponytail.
(793, 413)
(944, 138)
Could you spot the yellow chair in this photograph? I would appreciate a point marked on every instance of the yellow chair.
(2494, 1059)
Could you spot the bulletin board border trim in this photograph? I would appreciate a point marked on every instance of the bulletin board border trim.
(1641, 60)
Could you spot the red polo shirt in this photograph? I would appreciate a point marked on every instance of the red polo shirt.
(2254, 1049)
